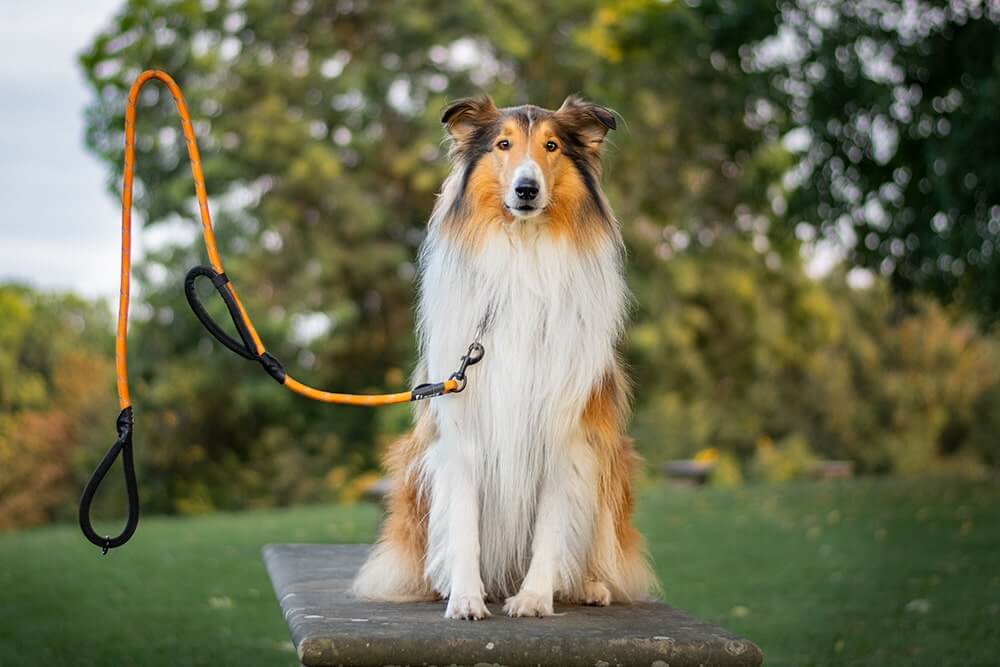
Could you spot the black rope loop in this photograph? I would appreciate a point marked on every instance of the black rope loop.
(245, 346)
(123, 446)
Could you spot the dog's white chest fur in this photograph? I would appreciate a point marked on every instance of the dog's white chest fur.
(553, 315)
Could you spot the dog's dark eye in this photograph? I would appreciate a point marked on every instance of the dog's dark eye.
(503, 145)
(551, 146)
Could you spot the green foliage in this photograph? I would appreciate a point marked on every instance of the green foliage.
(789, 459)
(986, 418)
(55, 395)
(322, 150)
(899, 102)
(321, 145)
(759, 352)
(726, 471)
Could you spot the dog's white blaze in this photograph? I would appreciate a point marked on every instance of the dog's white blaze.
(512, 443)
(528, 169)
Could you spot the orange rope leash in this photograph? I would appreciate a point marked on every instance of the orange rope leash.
(250, 346)
(240, 317)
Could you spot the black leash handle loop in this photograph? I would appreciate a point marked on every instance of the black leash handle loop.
(246, 348)
(123, 446)
(219, 280)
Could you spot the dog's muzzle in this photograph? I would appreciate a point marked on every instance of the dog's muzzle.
(526, 196)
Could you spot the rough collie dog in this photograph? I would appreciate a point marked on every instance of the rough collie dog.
(518, 489)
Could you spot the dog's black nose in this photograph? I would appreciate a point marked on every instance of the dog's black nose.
(526, 189)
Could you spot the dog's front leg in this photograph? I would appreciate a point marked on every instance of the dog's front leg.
(563, 531)
(454, 533)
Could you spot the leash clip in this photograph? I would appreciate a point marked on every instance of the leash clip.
(472, 357)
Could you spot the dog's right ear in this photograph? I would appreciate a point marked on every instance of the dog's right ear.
(464, 117)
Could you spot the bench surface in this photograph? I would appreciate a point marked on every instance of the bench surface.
(329, 627)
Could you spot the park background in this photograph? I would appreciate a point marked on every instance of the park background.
(809, 194)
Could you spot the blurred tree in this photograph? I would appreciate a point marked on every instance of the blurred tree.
(322, 150)
(763, 354)
(893, 110)
(318, 124)
(56, 401)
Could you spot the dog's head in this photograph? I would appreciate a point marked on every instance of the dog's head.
(522, 162)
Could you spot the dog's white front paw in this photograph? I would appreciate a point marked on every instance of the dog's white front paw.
(529, 603)
(469, 607)
(596, 593)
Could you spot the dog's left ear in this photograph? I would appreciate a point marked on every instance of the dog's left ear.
(589, 121)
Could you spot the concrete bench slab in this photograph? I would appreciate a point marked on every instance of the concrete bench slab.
(329, 627)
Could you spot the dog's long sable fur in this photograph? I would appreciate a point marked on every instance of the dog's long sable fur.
(520, 487)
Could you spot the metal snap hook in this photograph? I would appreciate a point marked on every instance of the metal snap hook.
(475, 354)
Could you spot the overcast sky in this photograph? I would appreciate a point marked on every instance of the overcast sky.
(58, 225)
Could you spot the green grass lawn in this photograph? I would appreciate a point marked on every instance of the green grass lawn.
(867, 572)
